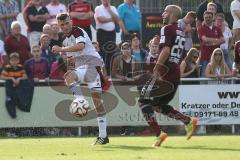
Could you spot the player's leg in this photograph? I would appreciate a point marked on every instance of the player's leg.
(71, 79)
(190, 123)
(92, 77)
(146, 107)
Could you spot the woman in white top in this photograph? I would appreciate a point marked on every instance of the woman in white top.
(217, 68)
(227, 34)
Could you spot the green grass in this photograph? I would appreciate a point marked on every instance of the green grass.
(121, 148)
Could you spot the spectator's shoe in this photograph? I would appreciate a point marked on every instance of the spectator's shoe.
(101, 141)
(191, 127)
(160, 139)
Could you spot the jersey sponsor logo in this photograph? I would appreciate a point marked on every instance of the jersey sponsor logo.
(162, 39)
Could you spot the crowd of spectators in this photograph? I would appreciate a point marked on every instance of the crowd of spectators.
(123, 61)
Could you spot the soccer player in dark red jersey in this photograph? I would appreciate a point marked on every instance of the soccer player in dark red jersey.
(161, 86)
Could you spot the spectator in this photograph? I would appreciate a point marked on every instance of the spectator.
(56, 36)
(123, 65)
(106, 16)
(212, 7)
(227, 34)
(47, 29)
(153, 50)
(235, 11)
(24, 12)
(217, 68)
(3, 55)
(37, 16)
(136, 51)
(236, 63)
(46, 50)
(131, 17)
(55, 7)
(37, 67)
(211, 37)
(203, 7)
(8, 12)
(13, 73)
(189, 67)
(81, 13)
(59, 68)
(16, 42)
(185, 24)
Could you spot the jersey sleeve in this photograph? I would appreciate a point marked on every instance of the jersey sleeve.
(166, 37)
(98, 12)
(79, 35)
(201, 33)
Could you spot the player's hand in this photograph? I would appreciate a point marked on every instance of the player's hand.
(56, 49)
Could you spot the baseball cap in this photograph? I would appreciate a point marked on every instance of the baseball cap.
(14, 55)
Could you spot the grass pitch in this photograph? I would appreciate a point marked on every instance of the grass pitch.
(121, 148)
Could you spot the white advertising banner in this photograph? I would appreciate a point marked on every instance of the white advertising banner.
(211, 104)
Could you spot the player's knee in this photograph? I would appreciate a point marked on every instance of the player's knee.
(165, 109)
(70, 77)
(146, 109)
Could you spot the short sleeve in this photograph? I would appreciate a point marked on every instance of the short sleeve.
(121, 12)
(201, 32)
(79, 35)
(166, 37)
(98, 12)
(114, 10)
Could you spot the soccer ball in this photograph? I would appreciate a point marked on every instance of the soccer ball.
(79, 107)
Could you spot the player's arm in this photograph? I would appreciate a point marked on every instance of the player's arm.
(5, 75)
(208, 73)
(165, 52)
(75, 48)
(212, 41)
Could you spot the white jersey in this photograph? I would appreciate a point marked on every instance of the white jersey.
(86, 57)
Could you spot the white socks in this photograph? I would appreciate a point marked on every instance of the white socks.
(76, 91)
(102, 126)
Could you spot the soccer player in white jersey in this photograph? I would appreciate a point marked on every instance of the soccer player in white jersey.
(87, 61)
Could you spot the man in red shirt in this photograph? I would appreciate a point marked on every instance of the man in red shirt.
(210, 38)
(81, 13)
(16, 42)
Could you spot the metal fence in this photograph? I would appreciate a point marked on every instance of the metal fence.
(153, 6)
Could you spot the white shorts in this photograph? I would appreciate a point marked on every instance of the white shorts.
(90, 76)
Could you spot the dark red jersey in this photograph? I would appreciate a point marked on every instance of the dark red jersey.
(172, 36)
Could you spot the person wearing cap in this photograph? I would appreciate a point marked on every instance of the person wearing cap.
(13, 73)
(123, 64)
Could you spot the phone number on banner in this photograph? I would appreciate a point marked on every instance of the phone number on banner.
(215, 114)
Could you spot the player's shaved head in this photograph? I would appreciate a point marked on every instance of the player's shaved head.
(171, 14)
(175, 10)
